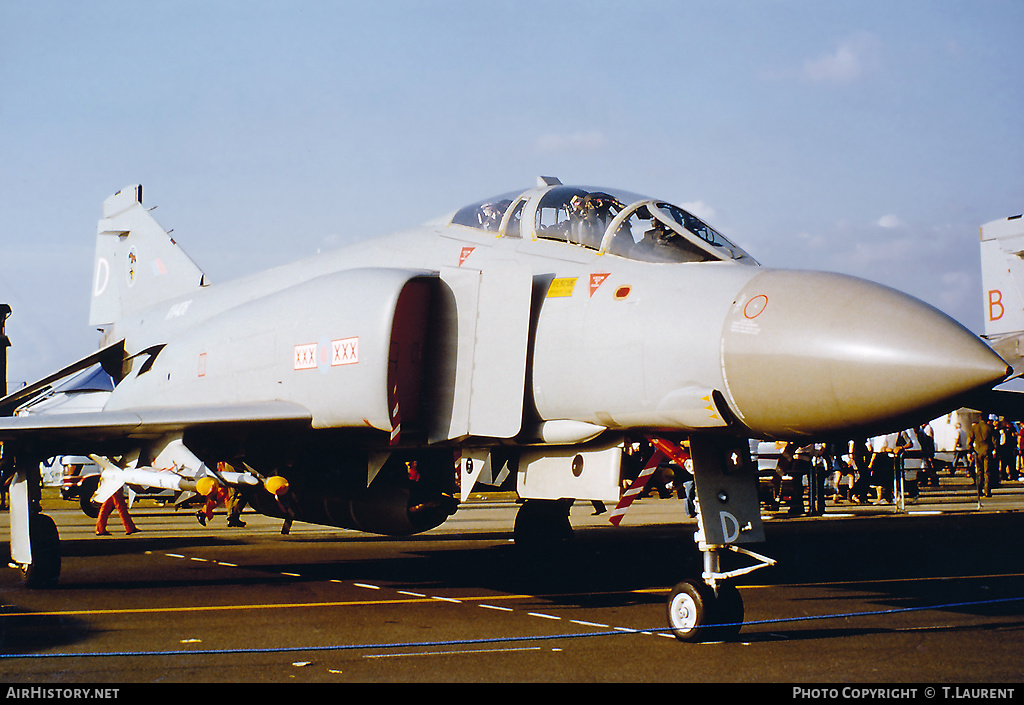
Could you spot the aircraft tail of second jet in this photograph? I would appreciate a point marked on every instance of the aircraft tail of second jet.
(1002, 274)
(137, 263)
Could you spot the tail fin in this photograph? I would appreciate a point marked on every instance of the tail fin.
(137, 263)
(1002, 275)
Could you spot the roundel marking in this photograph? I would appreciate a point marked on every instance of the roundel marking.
(131, 268)
(755, 306)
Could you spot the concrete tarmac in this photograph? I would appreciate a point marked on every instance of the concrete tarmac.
(929, 596)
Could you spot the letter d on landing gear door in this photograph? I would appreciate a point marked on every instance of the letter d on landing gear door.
(726, 482)
(730, 526)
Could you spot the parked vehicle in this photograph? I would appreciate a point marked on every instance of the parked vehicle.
(79, 481)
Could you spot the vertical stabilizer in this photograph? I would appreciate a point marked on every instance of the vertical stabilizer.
(5, 342)
(1002, 275)
(137, 263)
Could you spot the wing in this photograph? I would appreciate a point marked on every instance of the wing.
(58, 431)
(1010, 347)
(110, 357)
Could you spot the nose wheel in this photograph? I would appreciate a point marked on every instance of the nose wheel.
(696, 612)
(710, 609)
(688, 609)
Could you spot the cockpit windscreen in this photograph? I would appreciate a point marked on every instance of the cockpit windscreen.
(488, 214)
(605, 220)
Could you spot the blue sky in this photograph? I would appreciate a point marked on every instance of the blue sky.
(870, 138)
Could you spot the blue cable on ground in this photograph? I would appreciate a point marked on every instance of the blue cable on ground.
(492, 640)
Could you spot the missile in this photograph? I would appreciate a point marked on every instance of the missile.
(113, 478)
(277, 485)
(207, 482)
(237, 478)
(159, 479)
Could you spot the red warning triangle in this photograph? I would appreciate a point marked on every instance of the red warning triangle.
(596, 280)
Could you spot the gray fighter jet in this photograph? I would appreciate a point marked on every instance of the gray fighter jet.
(571, 336)
(1002, 278)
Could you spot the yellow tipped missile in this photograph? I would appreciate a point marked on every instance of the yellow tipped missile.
(206, 485)
(276, 485)
(113, 478)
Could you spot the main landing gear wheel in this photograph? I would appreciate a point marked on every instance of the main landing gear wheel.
(90, 508)
(696, 613)
(542, 523)
(44, 570)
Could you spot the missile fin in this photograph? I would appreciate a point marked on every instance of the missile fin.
(111, 479)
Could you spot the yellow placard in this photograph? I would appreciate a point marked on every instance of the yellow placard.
(562, 287)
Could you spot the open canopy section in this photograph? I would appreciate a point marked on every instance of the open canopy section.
(609, 221)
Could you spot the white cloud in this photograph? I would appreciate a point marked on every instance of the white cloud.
(575, 142)
(854, 57)
(700, 209)
(812, 241)
(889, 221)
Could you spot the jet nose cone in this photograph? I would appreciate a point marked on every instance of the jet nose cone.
(812, 353)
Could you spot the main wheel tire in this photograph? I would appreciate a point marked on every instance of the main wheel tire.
(88, 489)
(44, 570)
(689, 610)
(728, 612)
(542, 523)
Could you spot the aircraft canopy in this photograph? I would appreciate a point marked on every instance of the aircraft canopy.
(608, 221)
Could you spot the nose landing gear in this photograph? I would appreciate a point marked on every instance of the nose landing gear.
(711, 609)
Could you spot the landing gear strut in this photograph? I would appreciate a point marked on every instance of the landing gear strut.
(35, 543)
(728, 511)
